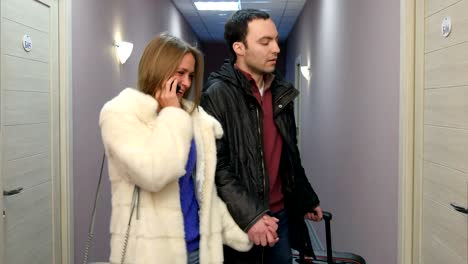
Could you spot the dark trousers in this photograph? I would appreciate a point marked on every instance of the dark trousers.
(280, 253)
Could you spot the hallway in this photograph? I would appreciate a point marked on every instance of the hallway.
(349, 108)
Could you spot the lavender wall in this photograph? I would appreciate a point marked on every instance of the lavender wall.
(350, 118)
(97, 77)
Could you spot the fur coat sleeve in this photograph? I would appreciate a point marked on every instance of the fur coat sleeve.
(233, 235)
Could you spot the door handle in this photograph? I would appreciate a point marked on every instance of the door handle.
(459, 208)
(12, 192)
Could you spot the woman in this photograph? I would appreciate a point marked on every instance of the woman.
(164, 144)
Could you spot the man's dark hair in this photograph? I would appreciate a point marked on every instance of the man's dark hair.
(235, 28)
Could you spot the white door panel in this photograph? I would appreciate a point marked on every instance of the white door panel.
(30, 230)
(32, 234)
(26, 107)
(13, 35)
(21, 74)
(31, 13)
(25, 140)
(433, 6)
(447, 107)
(444, 224)
(441, 158)
(27, 172)
(447, 67)
(457, 14)
(446, 146)
(445, 185)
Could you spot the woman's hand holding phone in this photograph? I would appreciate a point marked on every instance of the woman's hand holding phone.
(167, 96)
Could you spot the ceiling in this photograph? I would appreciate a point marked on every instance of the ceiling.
(209, 25)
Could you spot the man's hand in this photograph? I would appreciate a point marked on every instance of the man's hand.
(263, 232)
(316, 215)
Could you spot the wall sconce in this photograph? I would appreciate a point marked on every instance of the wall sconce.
(123, 50)
(306, 72)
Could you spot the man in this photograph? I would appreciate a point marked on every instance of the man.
(259, 173)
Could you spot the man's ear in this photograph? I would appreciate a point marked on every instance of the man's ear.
(239, 48)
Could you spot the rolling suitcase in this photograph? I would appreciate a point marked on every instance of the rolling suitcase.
(313, 251)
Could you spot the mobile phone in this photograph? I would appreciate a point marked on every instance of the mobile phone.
(177, 87)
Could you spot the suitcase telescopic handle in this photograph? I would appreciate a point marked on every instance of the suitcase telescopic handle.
(327, 216)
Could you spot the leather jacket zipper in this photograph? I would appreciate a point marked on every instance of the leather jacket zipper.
(261, 152)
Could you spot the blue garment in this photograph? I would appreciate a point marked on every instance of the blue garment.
(189, 202)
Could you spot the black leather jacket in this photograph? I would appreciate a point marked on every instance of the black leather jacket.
(241, 175)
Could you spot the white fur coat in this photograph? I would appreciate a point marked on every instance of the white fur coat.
(151, 151)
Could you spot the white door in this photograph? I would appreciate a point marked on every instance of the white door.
(442, 134)
(29, 132)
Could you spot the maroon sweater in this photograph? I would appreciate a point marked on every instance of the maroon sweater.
(272, 141)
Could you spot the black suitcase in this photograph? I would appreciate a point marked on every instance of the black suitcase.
(309, 254)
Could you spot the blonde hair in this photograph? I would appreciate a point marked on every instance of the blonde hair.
(160, 60)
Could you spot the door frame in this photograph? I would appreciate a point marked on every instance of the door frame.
(66, 135)
(406, 131)
(410, 130)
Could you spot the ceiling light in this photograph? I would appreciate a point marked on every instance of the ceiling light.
(218, 6)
